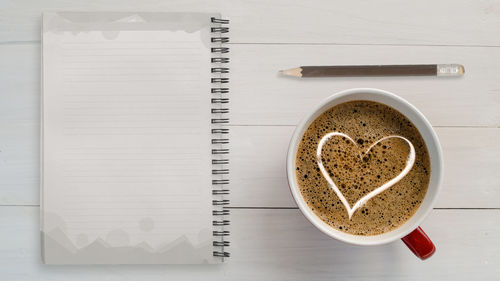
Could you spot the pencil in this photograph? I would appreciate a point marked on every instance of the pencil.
(376, 70)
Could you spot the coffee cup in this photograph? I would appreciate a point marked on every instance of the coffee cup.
(409, 232)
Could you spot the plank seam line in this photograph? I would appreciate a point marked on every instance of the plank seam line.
(282, 208)
(296, 208)
(34, 42)
(437, 126)
(365, 44)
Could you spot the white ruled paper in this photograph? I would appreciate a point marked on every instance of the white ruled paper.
(126, 163)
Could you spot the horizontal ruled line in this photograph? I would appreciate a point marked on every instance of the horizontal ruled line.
(131, 55)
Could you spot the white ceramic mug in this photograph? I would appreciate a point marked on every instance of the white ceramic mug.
(409, 232)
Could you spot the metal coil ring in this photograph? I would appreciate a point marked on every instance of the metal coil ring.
(220, 121)
(220, 141)
(220, 110)
(220, 202)
(220, 70)
(220, 80)
(220, 39)
(222, 29)
(220, 100)
(220, 90)
(218, 182)
(220, 233)
(220, 191)
(219, 60)
(221, 243)
(220, 151)
(220, 223)
(220, 212)
(220, 131)
(221, 50)
(221, 21)
(220, 171)
(220, 161)
(221, 254)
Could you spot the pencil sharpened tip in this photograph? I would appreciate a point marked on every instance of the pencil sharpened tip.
(297, 72)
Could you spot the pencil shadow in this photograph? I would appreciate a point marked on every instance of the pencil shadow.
(364, 79)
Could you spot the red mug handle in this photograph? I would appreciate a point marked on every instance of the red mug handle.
(419, 243)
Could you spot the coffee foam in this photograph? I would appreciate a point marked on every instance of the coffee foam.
(409, 164)
(366, 124)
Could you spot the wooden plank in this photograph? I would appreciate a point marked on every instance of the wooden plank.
(258, 175)
(19, 123)
(259, 96)
(260, 181)
(450, 22)
(282, 245)
(258, 166)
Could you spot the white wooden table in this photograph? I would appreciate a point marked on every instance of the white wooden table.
(270, 239)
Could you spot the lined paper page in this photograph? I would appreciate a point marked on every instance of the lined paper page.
(126, 143)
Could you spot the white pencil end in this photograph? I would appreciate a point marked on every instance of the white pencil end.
(450, 70)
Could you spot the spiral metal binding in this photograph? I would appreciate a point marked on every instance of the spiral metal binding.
(219, 141)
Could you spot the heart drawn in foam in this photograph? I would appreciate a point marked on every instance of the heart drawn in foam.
(409, 164)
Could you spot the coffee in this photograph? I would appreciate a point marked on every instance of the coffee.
(357, 171)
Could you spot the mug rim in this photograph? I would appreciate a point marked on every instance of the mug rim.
(362, 239)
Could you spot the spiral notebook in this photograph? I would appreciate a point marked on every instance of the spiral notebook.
(134, 140)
